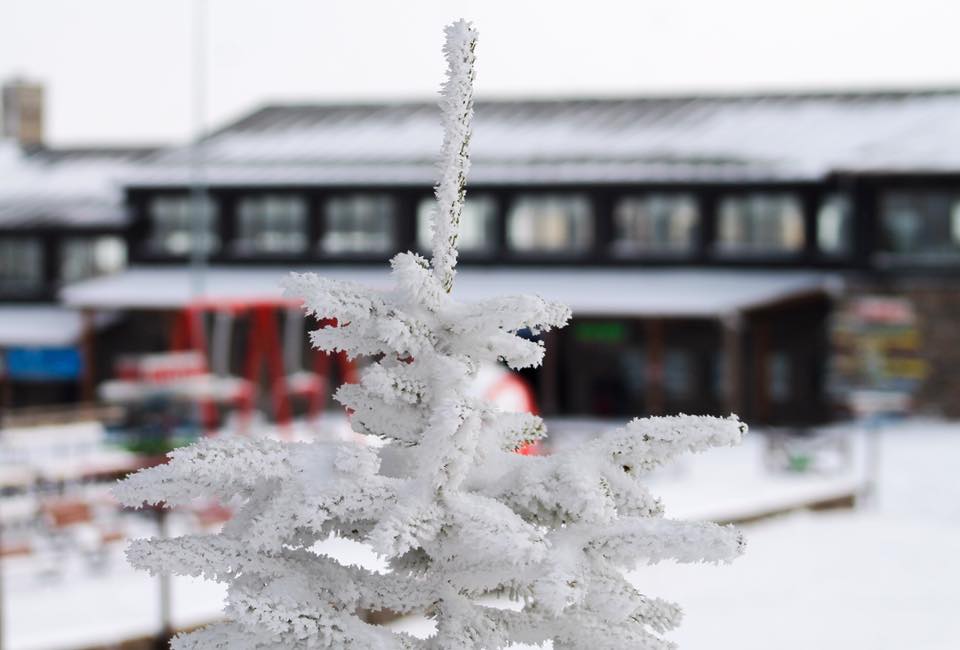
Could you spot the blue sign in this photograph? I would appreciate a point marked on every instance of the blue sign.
(43, 364)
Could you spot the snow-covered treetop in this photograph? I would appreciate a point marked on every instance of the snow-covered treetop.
(443, 497)
(456, 103)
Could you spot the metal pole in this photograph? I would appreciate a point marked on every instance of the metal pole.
(166, 600)
(1, 587)
(873, 460)
(201, 225)
(201, 216)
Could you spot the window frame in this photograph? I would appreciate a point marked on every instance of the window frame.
(718, 252)
(849, 250)
(918, 259)
(393, 230)
(91, 239)
(689, 252)
(590, 245)
(19, 243)
(241, 246)
(496, 218)
(157, 248)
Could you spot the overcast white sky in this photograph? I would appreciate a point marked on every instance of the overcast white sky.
(119, 70)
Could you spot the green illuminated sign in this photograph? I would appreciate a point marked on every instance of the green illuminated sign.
(600, 332)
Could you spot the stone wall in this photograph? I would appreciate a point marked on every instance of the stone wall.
(938, 310)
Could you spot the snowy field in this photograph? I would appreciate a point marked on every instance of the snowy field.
(86, 606)
(883, 577)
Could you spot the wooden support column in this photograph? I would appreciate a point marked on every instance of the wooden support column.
(761, 365)
(732, 353)
(88, 385)
(656, 402)
(316, 226)
(549, 375)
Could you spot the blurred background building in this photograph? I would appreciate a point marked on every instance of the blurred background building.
(703, 242)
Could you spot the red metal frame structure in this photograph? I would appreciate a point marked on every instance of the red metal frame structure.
(264, 348)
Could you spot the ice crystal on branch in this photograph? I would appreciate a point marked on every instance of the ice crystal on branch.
(444, 498)
(456, 104)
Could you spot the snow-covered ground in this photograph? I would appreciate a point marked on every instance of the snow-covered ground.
(83, 609)
(882, 577)
(84, 604)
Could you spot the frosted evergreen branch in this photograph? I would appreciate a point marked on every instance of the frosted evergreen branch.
(634, 541)
(647, 443)
(456, 109)
(212, 467)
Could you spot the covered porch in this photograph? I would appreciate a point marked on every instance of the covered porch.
(642, 341)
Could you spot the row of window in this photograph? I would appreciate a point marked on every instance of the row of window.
(653, 224)
(923, 226)
(22, 260)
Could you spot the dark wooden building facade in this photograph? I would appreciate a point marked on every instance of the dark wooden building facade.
(703, 242)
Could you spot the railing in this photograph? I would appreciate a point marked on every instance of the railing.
(60, 414)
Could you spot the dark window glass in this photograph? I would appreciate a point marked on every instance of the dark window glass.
(780, 376)
(719, 375)
(360, 223)
(272, 223)
(760, 224)
(21, 263)
(657, 223)
(921, 226)
(86, 257)
(172, 218)
(678, 374)
(550, 224)
(478, 225)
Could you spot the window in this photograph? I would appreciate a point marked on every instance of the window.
(272, 223)
(658, 223)
(766, 224)
(780, 376)
(478, 225)
(21, 263)
(172, 219)
(550, 224)
(719, 375)
(677, 374)
(835, 226)
(921, 226)
(86, 257)
(360, 223)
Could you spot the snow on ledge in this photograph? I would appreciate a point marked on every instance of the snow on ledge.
(621, 292)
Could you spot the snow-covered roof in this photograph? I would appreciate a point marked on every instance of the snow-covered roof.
(621, 292)
(65, 187)
(647, 139)
(42, 325)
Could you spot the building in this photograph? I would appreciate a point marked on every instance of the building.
(702, 241)
(21, 111)
(62, 220)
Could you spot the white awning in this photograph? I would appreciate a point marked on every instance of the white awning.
(594, 292)
(43, 325)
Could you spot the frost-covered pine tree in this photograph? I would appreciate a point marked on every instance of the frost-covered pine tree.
(443, 497)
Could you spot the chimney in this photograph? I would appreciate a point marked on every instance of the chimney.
(22, 105)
